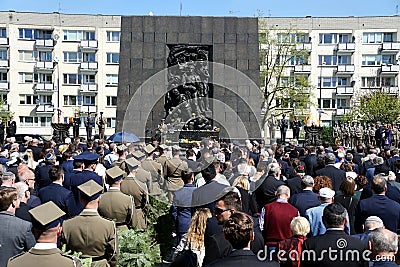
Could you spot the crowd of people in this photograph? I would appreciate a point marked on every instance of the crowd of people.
(231, 204)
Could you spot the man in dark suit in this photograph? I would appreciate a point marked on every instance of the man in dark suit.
(238, 230)
(336, 175)
(283, 126)
(55, 192)
(345, 251)
(383, 245)
(378, 205)
(15, 234)
(379, 133)
(311, 162)
(89, 122)
(42, 171)
(2, 131)
(12, 128)
(296, 125)
(306, 198)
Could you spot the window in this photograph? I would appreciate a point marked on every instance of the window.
(389, 59)
(112, 79)
(45, 100)
(344, 38)
(28, 99)
(28, 34)
(43, 34)
(27, 77)
(342, 103)
(388, 81)
(327, 103)
(89, 79)
(388, 37)
(327, 60)
(34, 121)
(113, 36)
(3, 77)
(3, 54)
(344, 60)
(343, 81)
(89, 57)
(72, 100)
(371, 60)
(370, 82)
(3, 32)
(328, 38)
(111, 101)
(3, 97)
(327, 82)
(72, 79)
(113, 58)
(27, 55)
(89, 100)
(45, 56)
(111, 122)
(78, 35)
(45, 78)
(72, 57)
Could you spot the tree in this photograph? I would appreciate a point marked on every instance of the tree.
(282, 87)
(377, 106)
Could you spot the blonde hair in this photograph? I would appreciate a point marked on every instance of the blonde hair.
(242, 182)
(300, 226)
(197, 228)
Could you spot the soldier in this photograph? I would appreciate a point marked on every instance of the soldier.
(366, 134)
(336, 134)
(296, 125)
(163, 128)
(132, 186)
(155, 170)
(283, 126)
(162, 159)
(2, 129)
(101, 122)
(89, 233)
(395, 134)
(142, 175)
(173, 171)
(46, 221)
(372, 135)
(358, 133)
(271, 126)
(114, 204)
(121, 153)
(346, 135)
(75, 126)
(12, 128)
(89, 126)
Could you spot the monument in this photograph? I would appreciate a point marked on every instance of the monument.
(197, 73)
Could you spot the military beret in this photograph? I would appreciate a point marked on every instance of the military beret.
(138, 155)
(87, 156)
(90, 190)
(115, 173)
(46, 216)
(149, 148)
(132, 162)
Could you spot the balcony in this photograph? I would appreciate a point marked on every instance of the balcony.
(90, 88)
(4, 86)
(44, 45)
(88, 45)
(344, 90)
(4, 64)
(44, 66)
(3, 41)
(345, 47)
(304, 46)
(86, 109)
(342, 111)
(88, 67)
(347, 70)
(389, 70)
(391, 90)
(46, 88)
(389, 48)
(45, 108)
(302, 69)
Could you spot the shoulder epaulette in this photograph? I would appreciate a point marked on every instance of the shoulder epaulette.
(77, 262)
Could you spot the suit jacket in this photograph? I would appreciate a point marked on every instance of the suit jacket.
(15, 236)
(240, 258)
(42, 175)
(336, 175)
(62, 197)
(92, 235)
(294, 184)
(44, 258)
(304, 200)
(265, 190)
(311, 163)
(23, 212)
(334, 240)
(117, 206)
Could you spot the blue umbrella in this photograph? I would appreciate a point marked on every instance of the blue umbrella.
(121, 137)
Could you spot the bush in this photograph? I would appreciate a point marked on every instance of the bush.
(327, 135)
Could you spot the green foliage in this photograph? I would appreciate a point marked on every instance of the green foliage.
(327, 135)
(378, 106)
(138, 248)
(87, 262)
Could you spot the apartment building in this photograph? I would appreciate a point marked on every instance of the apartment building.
(348, 57)
(54, 67)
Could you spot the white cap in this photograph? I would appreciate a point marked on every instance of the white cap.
(326, 192)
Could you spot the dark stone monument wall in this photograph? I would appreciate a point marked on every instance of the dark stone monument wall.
(144, 51)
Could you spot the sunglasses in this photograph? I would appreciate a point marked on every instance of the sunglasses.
(219, 210)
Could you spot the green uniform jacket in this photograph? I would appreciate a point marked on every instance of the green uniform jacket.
(92, 235)
(119, 207)
(174, 168)
(44, 258)
(156, 172)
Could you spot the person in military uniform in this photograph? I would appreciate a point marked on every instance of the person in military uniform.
(89, 126)
(2, 131)
(358, 134)
(12, 128)
(173, 172)
(101, 122)
(336, 134)
(46, 221)
(296, 125)
(162, 158)
(283, 126)
(272, 126)
(95, 237)
(132, 186)
(76, 122)
(114, 204)
(346, 134)
(142, 175)
(121, 153)
(155, 170)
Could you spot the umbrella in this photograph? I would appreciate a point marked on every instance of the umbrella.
(121, 137)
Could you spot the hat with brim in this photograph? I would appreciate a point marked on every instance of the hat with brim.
(87, 157)
(326, 192)
(139, 155)
(149, 149)
(46, 216)
(121, 147)
(115, 173)
(132, 163)
(90, 190)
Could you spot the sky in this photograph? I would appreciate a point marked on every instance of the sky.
(240, 8)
